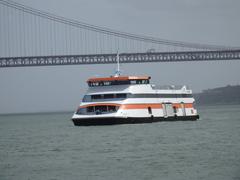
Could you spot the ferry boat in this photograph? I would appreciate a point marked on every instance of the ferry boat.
(133, 99)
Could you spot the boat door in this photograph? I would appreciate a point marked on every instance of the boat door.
(168, 110)
(183, 109)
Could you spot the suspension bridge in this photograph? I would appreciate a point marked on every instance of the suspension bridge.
(31, 37)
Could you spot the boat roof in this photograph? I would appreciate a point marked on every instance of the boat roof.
(118, 78)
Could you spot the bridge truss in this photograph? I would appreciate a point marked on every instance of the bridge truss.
(124, 58)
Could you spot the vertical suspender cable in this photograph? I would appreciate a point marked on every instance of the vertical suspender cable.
(8, 31)
(55, 37)
(70, 39)
(65, 39)
(1, 32)
(79, 41)
(24, 33)
(39, 36)
(35, 35)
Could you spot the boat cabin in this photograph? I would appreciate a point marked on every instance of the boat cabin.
(118, 80)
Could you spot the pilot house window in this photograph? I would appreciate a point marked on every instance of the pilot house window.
(108, 96)
(118, 82)
(97, 109)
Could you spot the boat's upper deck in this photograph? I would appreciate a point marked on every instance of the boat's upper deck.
(131, 84)
(106, 89)
(118, 80)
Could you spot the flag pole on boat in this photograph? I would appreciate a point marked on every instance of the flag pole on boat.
(118, 72)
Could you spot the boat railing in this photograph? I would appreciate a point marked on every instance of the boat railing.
(169, 87)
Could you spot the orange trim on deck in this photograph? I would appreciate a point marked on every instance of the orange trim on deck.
(120, 78)
(139, 106)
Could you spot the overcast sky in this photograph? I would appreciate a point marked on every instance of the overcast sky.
(33, 89)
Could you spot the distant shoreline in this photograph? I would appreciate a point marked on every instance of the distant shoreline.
(222, 104)
(228, 95)
(29, 113)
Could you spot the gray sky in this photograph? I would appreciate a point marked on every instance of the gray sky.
(61, 88)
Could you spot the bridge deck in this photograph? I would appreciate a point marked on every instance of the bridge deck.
(124, 58)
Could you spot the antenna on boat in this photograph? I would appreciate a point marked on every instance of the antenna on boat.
(118, 72)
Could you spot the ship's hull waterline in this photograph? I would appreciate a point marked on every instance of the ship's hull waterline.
(129, 120)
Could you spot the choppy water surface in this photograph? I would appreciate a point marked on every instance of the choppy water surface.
(48, 146)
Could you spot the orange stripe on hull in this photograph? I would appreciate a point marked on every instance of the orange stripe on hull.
(140, 106)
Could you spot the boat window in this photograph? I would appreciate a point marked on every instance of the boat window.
(125, 82)
(90, 109)
(107, 83)
(187, 95)
(97, 96)
(143, 81)
(108, 96)
(112, 108)
(160, 95)
(119, 82)
(86, 98)
(81, 111)
(100, 108)
(121, 95)
(133, 82)
(97, 109)
(139, 82)
(94, 83)
(100, 97)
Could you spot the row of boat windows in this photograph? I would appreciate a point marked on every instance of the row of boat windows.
(160, 95)
(89, 98)
(110, 83)
(97, 109)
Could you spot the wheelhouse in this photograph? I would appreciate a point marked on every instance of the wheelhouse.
(119, 80)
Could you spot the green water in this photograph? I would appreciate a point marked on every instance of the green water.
(48, 146)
